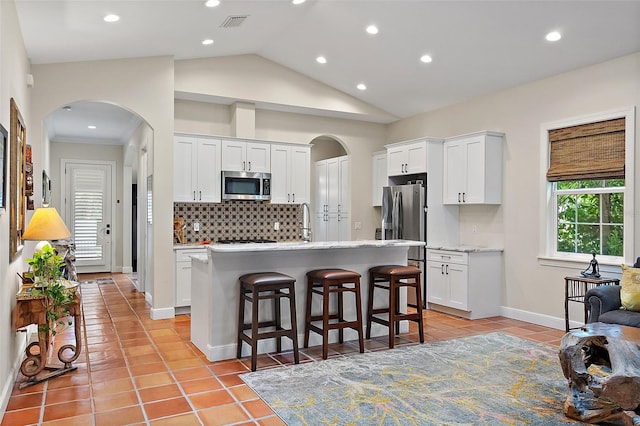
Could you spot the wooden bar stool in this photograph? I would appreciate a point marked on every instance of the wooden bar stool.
(266, 286)
(392, 278)
(326, 282)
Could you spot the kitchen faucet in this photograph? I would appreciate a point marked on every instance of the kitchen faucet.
(305, 221)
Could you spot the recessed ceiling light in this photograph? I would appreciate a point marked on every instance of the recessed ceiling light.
(372, 29)
(427, 59)
(207, 41)
(298, 1)
(361, 86)
(111, 18)
(553, 36)
(212, 3)
(92, 127)
(321, 60)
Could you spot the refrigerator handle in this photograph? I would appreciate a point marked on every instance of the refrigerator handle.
(397, 216)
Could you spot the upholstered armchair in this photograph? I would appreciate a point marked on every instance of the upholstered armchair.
(603, 304)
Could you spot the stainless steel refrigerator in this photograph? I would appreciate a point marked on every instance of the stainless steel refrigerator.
(404, 216)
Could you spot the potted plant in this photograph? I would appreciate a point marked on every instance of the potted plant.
(46, 273)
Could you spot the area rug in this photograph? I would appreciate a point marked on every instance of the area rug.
(492, 379)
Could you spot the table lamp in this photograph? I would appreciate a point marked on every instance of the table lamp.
(46, 224)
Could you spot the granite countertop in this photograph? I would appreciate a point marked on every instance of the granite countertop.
(465, 249)
(300, 245)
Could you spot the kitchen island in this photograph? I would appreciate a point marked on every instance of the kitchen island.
(215, 289)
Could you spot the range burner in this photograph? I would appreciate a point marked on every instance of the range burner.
(246, 241)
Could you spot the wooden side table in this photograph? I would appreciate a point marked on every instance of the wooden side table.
(575, 288)
(29, 310)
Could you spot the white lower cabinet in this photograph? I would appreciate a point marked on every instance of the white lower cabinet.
(182, 279)
(465, 283)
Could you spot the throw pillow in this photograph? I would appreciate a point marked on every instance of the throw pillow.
(630, 291)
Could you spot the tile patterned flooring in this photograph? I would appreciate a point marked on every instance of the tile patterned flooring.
(134, 370)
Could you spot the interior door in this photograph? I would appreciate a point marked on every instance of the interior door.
(87, 194)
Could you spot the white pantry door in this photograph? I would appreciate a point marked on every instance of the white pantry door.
(88, 187)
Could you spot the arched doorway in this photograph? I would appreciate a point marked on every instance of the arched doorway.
(103, 212)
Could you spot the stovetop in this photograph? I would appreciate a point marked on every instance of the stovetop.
(258, 240)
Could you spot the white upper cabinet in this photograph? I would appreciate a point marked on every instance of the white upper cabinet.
(244, 156)
(379, 177)
(473, 169)
(290, 173)
(406, 158)
(196, 169)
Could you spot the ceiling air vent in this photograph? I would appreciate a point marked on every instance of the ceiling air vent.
(234, 21)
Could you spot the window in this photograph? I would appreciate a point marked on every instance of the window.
(589, 216)
(586, 173)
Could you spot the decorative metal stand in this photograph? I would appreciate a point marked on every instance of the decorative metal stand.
(30, 309)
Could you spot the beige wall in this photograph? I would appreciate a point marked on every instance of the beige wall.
(519, 112)
(14, 66)
(143, 86)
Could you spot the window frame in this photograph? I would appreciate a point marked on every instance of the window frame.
(549, 256)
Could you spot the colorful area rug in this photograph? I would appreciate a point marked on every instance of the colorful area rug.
(493, 379)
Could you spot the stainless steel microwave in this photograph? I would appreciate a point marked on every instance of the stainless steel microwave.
(246, 186)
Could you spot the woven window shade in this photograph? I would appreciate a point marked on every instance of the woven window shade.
(587, 151)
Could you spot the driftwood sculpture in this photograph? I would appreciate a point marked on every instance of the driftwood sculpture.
(607, 394)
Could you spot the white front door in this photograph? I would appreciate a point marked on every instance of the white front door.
(88, 211)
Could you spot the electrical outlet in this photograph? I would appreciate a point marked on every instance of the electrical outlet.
(276, 226)
(358, 225)
(196, 226)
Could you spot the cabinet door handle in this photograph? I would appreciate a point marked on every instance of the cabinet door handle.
(442, 269)
(447, 269)
(194, 195)
(458, 197)
(249, 165)
(293, 198)
(243, 165)
(200, 192)
(288, 197)
(463, 197)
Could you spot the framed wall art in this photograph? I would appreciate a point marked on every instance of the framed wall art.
(17, 196)
(46, 189)
(4, 148)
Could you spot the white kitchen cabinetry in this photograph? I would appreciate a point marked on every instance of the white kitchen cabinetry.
(241, 156)
(473, 169)
(465, 283)
(182, 279)
(406, 158)
(379, 177)
(332, 201)
(290, 174)
(196, 169)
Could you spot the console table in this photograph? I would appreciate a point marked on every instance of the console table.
(30, 309)
(575, 288)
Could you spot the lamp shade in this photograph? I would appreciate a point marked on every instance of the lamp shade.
(46, 224)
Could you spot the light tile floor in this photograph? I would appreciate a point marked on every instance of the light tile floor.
(134, 370)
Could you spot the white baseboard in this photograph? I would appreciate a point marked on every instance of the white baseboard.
(127, 269)
(535, 318)
(148, 298)
(162, 313)
(7, 388)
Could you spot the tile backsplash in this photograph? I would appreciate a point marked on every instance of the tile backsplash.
(238, 220)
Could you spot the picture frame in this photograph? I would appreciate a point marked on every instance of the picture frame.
(46, 189)
(4, 147)
(17, 195)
